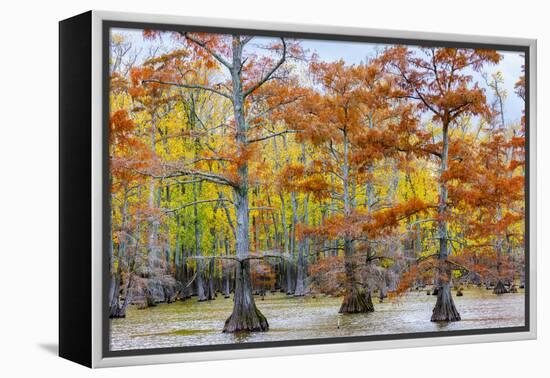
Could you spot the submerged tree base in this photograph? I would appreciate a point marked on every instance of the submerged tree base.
(250, 320)
(246, 317)
(445, 310)
(357, 301)
(500, 288)
(117, 313)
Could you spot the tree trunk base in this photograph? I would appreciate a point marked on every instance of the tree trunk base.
(357, 301)
(149, 300)
(299, 290)
(500, 288)
(117, 313)
(445, 310)
(246, 320)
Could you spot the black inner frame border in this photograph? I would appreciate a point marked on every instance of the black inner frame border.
(107, 25)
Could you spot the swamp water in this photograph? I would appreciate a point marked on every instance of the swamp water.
(192, 323)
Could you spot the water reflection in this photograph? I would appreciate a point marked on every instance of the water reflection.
(199, 323)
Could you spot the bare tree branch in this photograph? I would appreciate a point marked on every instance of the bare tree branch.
(272, 136)
(202, 159)
(227, 215)
(212, 177)
(269, 74)
(196, 203)
(189, 86)
(247, 39)
(271, 108)
(261, 256)
(178, 172)
(202, 44)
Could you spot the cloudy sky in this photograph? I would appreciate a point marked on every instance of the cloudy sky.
(357, 52)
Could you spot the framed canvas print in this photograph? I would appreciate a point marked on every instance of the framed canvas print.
(234, 189)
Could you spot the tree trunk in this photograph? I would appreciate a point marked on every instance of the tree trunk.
(274, 221)
(153, 247)
(198, 251)
(226, 273)
(114, 284)
(114, 289)
(116, 275)
(287, 264)
(356, 300)
(167, 253)
(245, 316)
(300, 268)
(300, 287)
(290, 261)
(383, 289)
(120, 310)
(227, 285)
(188, 273)
(444, 309)
(211, 283)
(500, 288)
(294, 207)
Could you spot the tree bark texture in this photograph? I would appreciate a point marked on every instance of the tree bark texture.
(444, 309)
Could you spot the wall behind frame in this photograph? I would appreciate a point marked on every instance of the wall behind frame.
(29, 317)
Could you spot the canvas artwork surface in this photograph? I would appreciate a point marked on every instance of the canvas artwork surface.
(298, 189)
